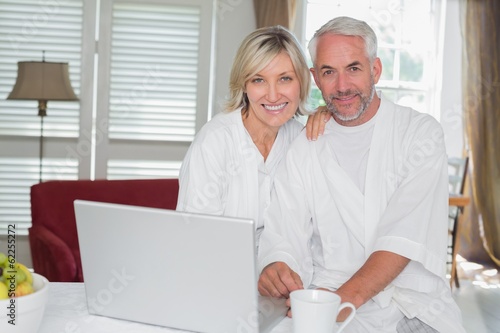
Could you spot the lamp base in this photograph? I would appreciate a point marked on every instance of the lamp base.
(42, 112)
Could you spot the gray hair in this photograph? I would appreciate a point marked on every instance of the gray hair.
(346, 26)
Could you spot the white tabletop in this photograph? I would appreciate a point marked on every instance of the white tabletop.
(66, 312)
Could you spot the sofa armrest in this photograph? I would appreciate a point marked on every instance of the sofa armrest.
(51, 257)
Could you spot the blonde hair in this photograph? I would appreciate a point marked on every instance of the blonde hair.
(255, 52)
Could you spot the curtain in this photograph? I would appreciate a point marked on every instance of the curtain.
(274, 12)
(481, 87)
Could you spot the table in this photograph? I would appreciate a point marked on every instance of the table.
(66, 312)
(458, 200)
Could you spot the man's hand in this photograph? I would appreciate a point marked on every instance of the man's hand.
(379, 270)
(316, 123)
(278, 280)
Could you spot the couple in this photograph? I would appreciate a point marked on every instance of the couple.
(361, 210)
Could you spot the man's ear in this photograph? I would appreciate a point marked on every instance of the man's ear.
(377, 69)
(315, 77)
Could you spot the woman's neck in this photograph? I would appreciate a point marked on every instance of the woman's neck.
(263, 136)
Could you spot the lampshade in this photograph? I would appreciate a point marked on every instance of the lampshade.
(40, 80)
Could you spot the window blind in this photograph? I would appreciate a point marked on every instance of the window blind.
(132, 169)
(17, 175)
(154, 66)
(153, 74)
(27, 29)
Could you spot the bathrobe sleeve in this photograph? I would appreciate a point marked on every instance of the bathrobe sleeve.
(199, 185)
(414, 221)
(287, 222)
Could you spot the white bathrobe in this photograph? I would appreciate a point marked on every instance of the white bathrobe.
(325, 228)
(223, 172)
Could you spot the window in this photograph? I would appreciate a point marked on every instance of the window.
(27, 28)
(155, 57)
(408, 33)
(142, 72)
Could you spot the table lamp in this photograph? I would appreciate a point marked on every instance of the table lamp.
(42, 81)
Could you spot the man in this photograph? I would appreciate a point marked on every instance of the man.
(363, 210)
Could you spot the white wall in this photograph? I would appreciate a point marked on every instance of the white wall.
(235, 20)
(451, 97)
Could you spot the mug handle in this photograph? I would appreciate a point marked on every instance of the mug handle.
(348, 319)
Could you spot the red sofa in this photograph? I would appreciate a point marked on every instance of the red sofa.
(53, 237)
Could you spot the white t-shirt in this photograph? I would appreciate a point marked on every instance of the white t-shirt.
(351, 147)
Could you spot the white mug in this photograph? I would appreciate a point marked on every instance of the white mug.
(316, 311)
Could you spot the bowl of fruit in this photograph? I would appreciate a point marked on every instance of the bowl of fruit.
(23, 296)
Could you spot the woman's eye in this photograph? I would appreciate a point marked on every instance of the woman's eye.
(257, 80)
(286, 78)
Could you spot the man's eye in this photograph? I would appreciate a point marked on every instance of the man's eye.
(327, 72)
(354, 69)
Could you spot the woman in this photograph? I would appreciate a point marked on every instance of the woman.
(230, 166)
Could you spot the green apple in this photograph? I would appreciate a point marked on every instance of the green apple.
(9, 271)
(27, 274)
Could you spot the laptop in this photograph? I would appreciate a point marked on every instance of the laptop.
(162, 267)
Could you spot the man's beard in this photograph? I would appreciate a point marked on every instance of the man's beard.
(365, 102)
